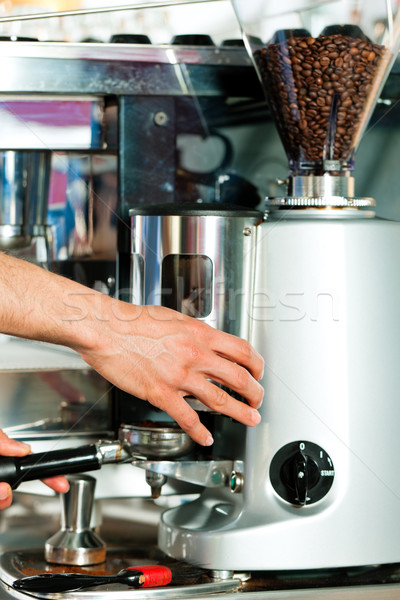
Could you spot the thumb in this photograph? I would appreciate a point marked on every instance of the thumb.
(5, 495)
(9, 447)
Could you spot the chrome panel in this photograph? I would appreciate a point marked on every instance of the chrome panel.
(126, 69)
(44, 123)
(207, 473)
(228, 241)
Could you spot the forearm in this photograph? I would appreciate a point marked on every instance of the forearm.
(39, 305)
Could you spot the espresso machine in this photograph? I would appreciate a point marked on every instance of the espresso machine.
(310, 279)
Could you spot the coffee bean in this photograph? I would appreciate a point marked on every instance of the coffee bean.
(302, 77)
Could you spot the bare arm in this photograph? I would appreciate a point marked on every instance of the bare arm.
(151, 352)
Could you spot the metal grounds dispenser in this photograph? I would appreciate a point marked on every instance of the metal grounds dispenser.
(319, 484)
(185, 257)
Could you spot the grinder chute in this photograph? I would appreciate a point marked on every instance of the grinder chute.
(322, 66)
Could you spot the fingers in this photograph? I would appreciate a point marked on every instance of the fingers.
(238, 351)
(220, 401)
(10, 447)
(5, 495)
(187, 419)
(216, 399)
(238, 379)
(58, 484)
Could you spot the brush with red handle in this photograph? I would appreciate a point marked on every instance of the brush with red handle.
(143, 576)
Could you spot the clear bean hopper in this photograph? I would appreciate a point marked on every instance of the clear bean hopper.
(322, 67)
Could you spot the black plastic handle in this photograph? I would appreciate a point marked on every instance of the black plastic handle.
(15, 470)
(64, 582)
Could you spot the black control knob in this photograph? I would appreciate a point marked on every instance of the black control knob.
(129, 38)
(192, 39)
(301, 473)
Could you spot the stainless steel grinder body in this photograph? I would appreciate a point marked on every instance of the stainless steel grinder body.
(326, 318)
(197, 259)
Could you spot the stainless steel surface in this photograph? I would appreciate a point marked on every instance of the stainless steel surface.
(69, 123)
(53, 384)
(323, 185)
(101, 69)
(390, 592)
(76, 543)
(364, 206)
(112, 452)
(211, 277)
(157, 441)
(204, 590)
(320, 207)
(207, 473)
(9, 571)
(128, 521)
(24, 190)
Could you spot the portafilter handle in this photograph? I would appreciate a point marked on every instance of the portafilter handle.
(15, 470)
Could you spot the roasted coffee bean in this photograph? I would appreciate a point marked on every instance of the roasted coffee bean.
(316, 83)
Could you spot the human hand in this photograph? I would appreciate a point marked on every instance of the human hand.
(9, 447)
(151, 352)
(162, 356)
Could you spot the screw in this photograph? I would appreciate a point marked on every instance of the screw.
(236, 482)
(160, 118)
(247, 231)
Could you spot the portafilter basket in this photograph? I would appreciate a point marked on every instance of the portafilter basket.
(158, 440)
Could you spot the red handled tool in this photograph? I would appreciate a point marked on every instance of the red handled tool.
(143, 576)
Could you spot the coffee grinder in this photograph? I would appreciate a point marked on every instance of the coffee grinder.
(316, 484)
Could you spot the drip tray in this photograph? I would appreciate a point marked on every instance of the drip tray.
(375, 582)
(187, 580)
